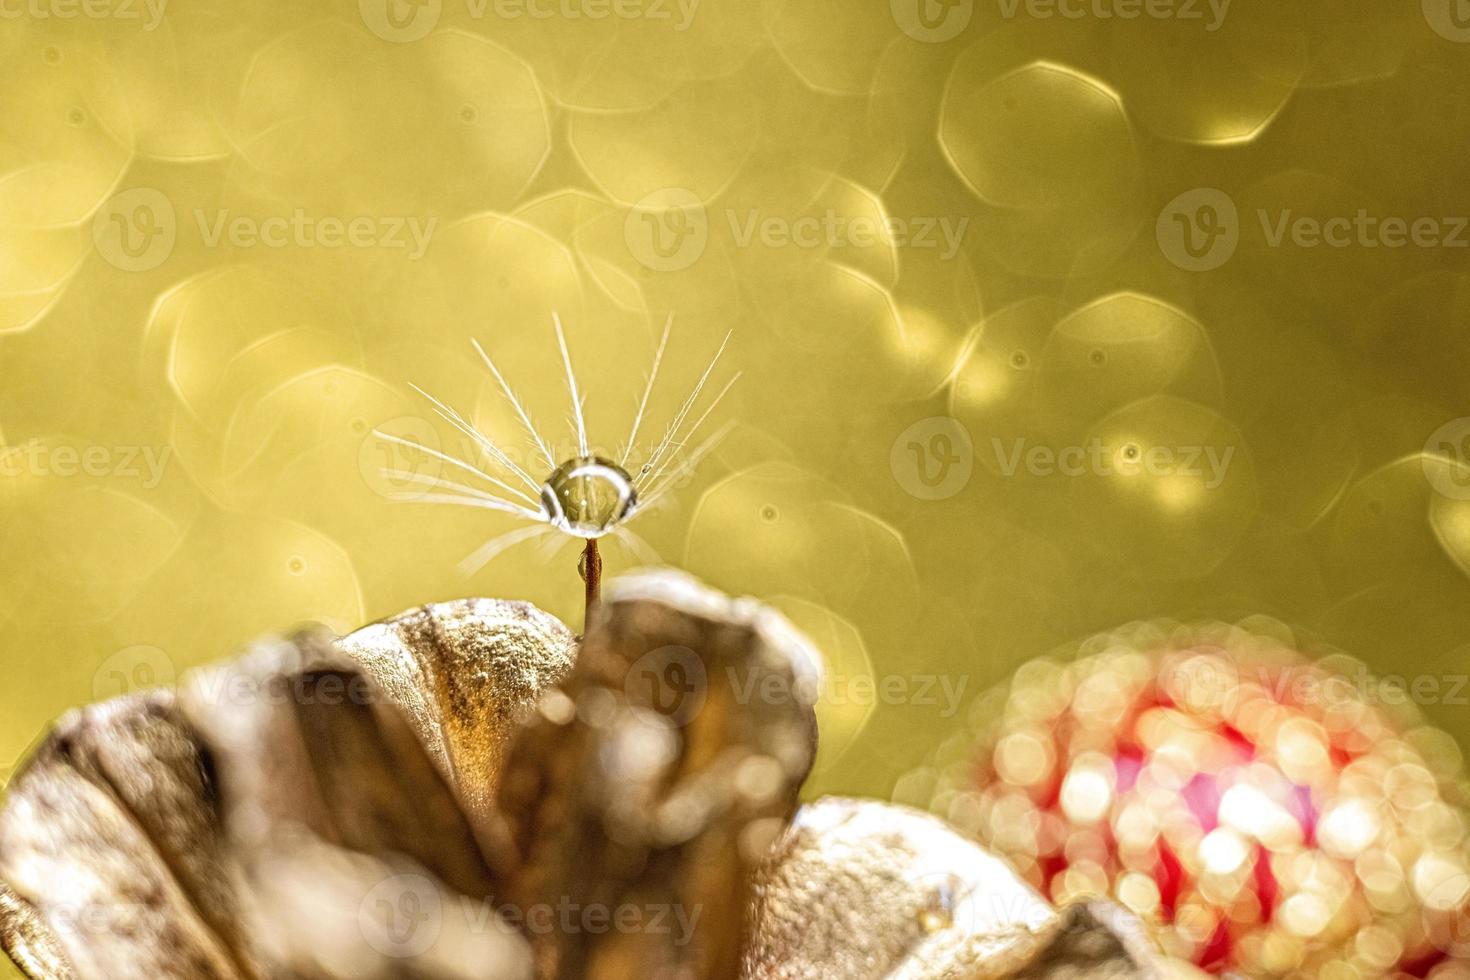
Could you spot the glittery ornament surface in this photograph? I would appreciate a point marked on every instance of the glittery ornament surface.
(1272, 814)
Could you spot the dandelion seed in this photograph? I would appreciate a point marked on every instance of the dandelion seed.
(586, 496)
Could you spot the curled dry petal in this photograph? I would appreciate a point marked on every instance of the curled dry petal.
(860, 890)
(150, 836)
(398, 802)
(466, 672)
(327, 794)
(656, 778)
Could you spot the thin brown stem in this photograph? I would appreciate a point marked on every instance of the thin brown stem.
(590, 568)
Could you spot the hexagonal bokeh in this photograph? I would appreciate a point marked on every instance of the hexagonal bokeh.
(1043, 317)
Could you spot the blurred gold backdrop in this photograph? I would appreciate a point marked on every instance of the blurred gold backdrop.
(1053, 314)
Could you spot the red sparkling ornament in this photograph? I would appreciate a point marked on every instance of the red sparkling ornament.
(1271, 814)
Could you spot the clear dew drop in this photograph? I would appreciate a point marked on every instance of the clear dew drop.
(938, 912)
(588, 496)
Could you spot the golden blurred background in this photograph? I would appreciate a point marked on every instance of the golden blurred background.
(1052, 315)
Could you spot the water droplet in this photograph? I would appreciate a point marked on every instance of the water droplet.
(1098, 356)
(588, 496)
(938, 912)
(1131, 451)
(297, 564)
(1020, 359)
(770, 514)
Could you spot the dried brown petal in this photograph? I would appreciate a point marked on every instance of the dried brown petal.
(305, 743)
(330, 801)
(125, 881)
(28, 943)
(655, 779)
(327, 809)
(150, 836)
(466, 672)
(859, 890)
(1097, 939)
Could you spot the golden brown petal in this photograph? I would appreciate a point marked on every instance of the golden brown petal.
(651, 783)
(1096, 939)
(326, 809)
(125, 881)
(27, 941)
(860, 890)
(466, 672)
(306, 744)
(264, 821)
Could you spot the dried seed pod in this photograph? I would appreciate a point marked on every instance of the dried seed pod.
(149, 836)
(860, 890)
(111, 836)
(466, 672)
(657, 776)
(318, 765)
(31, 945)
(328, 809)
